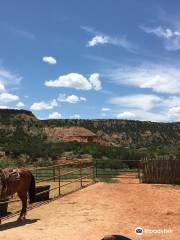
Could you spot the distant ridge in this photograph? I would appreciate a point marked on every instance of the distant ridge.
(15, 124)
(16, 112)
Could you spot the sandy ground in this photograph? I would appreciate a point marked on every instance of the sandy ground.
(76, 185)
(102, 209)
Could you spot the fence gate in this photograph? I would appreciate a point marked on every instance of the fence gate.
(108, 169)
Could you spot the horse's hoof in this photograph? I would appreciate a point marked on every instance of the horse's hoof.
(21, 219)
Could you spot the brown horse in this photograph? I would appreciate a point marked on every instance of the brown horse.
(18, 181)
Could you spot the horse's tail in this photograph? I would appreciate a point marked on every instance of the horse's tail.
(32, 190)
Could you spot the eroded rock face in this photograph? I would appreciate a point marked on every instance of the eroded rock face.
(16, 112)
(79, 134)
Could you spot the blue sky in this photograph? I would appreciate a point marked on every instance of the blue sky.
(91, 59)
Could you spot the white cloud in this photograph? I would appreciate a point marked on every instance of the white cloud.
(2, 87)
(172, 101)
(161, 32)
(4, 107)
(174, 113)
(75, 116)
(49, 60)
(140, 101)
(175, 110)
(55, 115)
(143, 115)
(159, 78)
(102, 39)
(20, 104)
(7, 78)
(104, 109)
(70, 99)
(83, 99)
(148, 107)
(95, 81)
(77, 81)
(8, 97)
(126, 115)
(38, 106)
(98, 40)
(170, 37)
(149, 116)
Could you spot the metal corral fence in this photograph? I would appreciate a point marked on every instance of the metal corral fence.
(163, 170)
(61, 180)
(115, 168)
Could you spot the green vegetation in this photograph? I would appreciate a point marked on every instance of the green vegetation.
(36, 149)
(46, 173)
(3, 163)
(24, 140)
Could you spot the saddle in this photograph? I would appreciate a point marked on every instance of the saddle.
(8, 176)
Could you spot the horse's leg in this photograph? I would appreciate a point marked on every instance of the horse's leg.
(23, 197)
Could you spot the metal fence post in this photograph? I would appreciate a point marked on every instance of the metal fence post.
(81, 174)
(139, 173)
(54, 173)
(59, 174)
(94, 176)
(36, 172)
(96, 168)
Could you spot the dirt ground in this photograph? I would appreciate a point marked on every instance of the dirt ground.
(103, 209)
(76, 185)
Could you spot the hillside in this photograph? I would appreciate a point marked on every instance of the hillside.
(22, 133)
(126, 133)
(18, 130)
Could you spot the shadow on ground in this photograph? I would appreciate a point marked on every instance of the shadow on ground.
(16, 224)
(115, 237)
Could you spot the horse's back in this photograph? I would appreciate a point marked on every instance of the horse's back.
(16, 180)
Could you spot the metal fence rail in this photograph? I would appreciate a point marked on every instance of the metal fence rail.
(117, 168)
